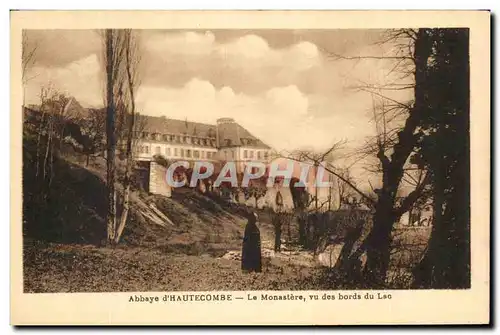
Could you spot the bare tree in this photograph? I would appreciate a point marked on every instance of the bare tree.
(51, 121)
(394, 146)
(94, 132)
(29, 49)
(121, 68)
(131, 68)
(113, 58)
(343, 189)
(395, 142)
(325, 160)
(302, 199)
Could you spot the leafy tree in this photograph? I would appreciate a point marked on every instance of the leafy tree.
(444, 151)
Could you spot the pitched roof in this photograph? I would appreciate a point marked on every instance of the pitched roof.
(73, 109)
(249, 140)
(162, 125)
(230, 134)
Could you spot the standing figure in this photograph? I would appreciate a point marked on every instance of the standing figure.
(279, 201)
(251, 259)
(277, 223)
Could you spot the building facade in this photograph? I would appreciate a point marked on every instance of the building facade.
(226, 141)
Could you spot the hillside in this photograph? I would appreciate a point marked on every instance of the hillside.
(64, 247)
(187, 242)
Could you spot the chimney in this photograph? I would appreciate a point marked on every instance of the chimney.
(222, 123)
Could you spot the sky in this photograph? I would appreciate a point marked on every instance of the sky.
(285, 86)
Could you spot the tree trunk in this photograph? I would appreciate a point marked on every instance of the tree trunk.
(378, 246)
(51, 164)
(38, 143)
(289, 231)
(302, 228)
(429, 267)
(379, 243)
(124, 216)
(110, 136)
(46, 160)
(446, 263)
(127, 180)
(129, 133)
(348, 266)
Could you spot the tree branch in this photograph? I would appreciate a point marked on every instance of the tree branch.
(410, 199)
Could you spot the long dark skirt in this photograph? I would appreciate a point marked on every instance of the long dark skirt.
(251, 259)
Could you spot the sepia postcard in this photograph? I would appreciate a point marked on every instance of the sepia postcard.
(250, 167)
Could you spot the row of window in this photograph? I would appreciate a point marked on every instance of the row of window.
(259, 154)
(177, 152)
(229, 154)
(177, 139)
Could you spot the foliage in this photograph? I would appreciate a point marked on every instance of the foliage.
(444, 152)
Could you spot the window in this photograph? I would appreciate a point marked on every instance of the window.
(188, 153)
(146, 149)
(167, 152)
(266, 155)
(175, 151)
(258, 155)
(202, 154)
(232, 154)
(245, 154)
(196, 154)
(251, 153)
(182, 152)
(158, 150)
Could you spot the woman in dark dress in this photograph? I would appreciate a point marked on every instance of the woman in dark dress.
(251, 260)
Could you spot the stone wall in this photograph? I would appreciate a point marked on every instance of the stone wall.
(158, 180)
